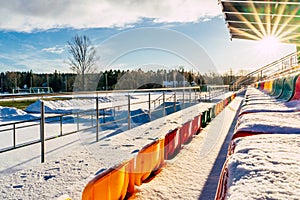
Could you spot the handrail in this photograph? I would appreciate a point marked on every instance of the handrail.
(6, 96)
(60, 118)
(283, 66)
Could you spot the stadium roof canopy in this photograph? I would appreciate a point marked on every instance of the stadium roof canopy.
(258, 19)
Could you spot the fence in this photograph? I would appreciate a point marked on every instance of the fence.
(167, 101)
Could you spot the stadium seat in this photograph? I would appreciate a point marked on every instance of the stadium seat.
(196, 125)
(172, 144)
(185, 132)
(278, 87)
(109, 185)
(149, 160)
(296, 89)
(288, 88)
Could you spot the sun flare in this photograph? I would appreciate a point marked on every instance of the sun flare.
(269, 45)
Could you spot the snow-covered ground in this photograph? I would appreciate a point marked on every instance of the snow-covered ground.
(71, 161)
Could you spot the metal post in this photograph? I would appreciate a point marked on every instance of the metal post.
(175, 101)
(97, 119)
(42, 132)
(66, 77)
(14, 135)
(183, 98)
(128, 112)
(106, 87)
(92, 119)
(190, 97)
(77, 121)
(61, 118)
(149, 106)
(103, 116)
(164, 105)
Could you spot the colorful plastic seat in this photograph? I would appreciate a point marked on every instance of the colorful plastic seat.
(149, 160)
(288, 88)
(278, 87)
(109, 185)
(172, 144)
(296, 89)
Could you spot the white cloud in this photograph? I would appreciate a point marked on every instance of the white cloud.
(31, 15)
(56, 50)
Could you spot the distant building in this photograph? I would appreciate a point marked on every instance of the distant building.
(171, 84)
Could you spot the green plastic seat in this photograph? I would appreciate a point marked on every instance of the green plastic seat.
(288, 88)
(278, 87)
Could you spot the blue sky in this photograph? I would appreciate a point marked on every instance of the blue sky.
(34, 35)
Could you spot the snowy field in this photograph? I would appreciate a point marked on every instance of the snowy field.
(71, 161)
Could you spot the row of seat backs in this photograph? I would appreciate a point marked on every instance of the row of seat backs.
(115, 183)
(284, 88)
(119, 181)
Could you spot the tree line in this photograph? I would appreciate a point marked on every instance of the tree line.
(110, 80)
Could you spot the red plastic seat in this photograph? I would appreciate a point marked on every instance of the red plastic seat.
(196, 125)
(222, 184)
(297, 90)
(172, 144)
(185, 133)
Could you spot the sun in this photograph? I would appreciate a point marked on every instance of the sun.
(270, 41)
(269, 45)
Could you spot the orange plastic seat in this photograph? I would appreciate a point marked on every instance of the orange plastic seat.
(109, 185)
(148, 160)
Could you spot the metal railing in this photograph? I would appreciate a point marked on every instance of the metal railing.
(287, 65)
(212, 91)
(91, 118)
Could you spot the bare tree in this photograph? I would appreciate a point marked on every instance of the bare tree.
(82, 57)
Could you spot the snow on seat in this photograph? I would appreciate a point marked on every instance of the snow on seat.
(253, 94)
(252, 105)
(267, 122)
(262, 167)
(291, 106)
